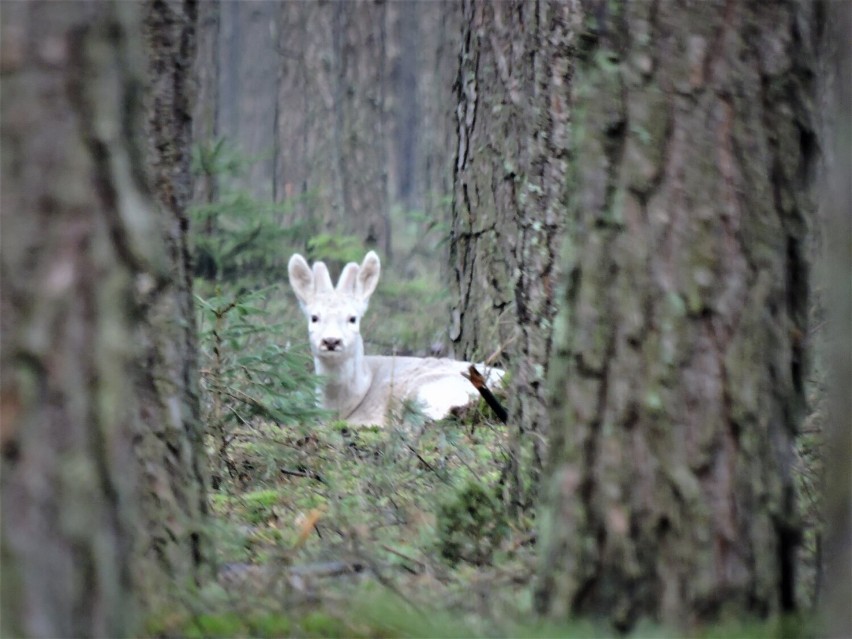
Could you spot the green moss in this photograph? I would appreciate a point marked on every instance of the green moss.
(259, 504)
(470, 525)
(228, 624)
(653, 401)
(271, 626)
(643, 157)
(321, 624)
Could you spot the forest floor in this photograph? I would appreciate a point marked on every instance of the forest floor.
(323, 530)
(320, 529)
(339, 532)
(335, 531)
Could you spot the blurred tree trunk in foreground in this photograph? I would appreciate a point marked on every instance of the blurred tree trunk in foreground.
(677, 373)
(508, 209)
(170, 446)
(837, 548)
(84, 280)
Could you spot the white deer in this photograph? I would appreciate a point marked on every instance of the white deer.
(364, 389)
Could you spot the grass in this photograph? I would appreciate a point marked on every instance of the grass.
(321, 530)
(343, 532)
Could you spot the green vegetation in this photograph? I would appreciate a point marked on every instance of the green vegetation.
(322, 530)
(471, 525)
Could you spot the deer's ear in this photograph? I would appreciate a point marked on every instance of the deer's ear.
(348, 277)
(301, 278)
(368, 276)
(322, 279)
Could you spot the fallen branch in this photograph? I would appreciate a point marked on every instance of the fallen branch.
(478, 381)
(300, 473)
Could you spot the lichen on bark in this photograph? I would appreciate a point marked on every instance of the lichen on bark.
(676, 378)
(508, 207)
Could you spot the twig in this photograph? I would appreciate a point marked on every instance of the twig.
(298, 473)
(440, 474)
(387, 583)
(421, 564)
(491, 358)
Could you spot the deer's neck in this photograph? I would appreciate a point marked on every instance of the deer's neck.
(347, 382)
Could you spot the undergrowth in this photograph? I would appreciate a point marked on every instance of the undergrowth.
(322, 530)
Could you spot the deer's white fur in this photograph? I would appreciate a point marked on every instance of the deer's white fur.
(359, 388)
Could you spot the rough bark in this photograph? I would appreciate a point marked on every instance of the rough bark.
(677, 374)
(508, 207)
(170, 445)
(79, 242)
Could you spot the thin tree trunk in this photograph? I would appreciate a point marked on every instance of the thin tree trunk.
(302, 173)
(678, 366)
(360, 36)
(206, 112)
(247, 92)
(171, 447)
(437, 68)
(508, 207)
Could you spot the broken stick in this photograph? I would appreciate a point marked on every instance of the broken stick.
(478, 382)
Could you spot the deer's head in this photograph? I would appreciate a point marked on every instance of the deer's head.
(334, 313)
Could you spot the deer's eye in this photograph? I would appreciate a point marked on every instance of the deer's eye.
(314, 319)
(352, 319)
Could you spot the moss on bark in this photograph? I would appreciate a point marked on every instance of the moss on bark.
(676, 380)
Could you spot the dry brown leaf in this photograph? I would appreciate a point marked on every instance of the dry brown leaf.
(307, 524)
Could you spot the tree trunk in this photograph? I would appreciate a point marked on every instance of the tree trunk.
(436, 69)
(83, 276)
(206, 111)
(331, 131)
(837, 549)
(402, 102)
(78, 235)
(359, 36)
(678, 366)
(508, 207)
(170, 446)
(247, 91)
(304, 167)
(423, 40)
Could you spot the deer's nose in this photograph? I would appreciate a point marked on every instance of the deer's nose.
(332, 343)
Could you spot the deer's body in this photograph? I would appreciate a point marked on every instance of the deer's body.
(365, 389)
